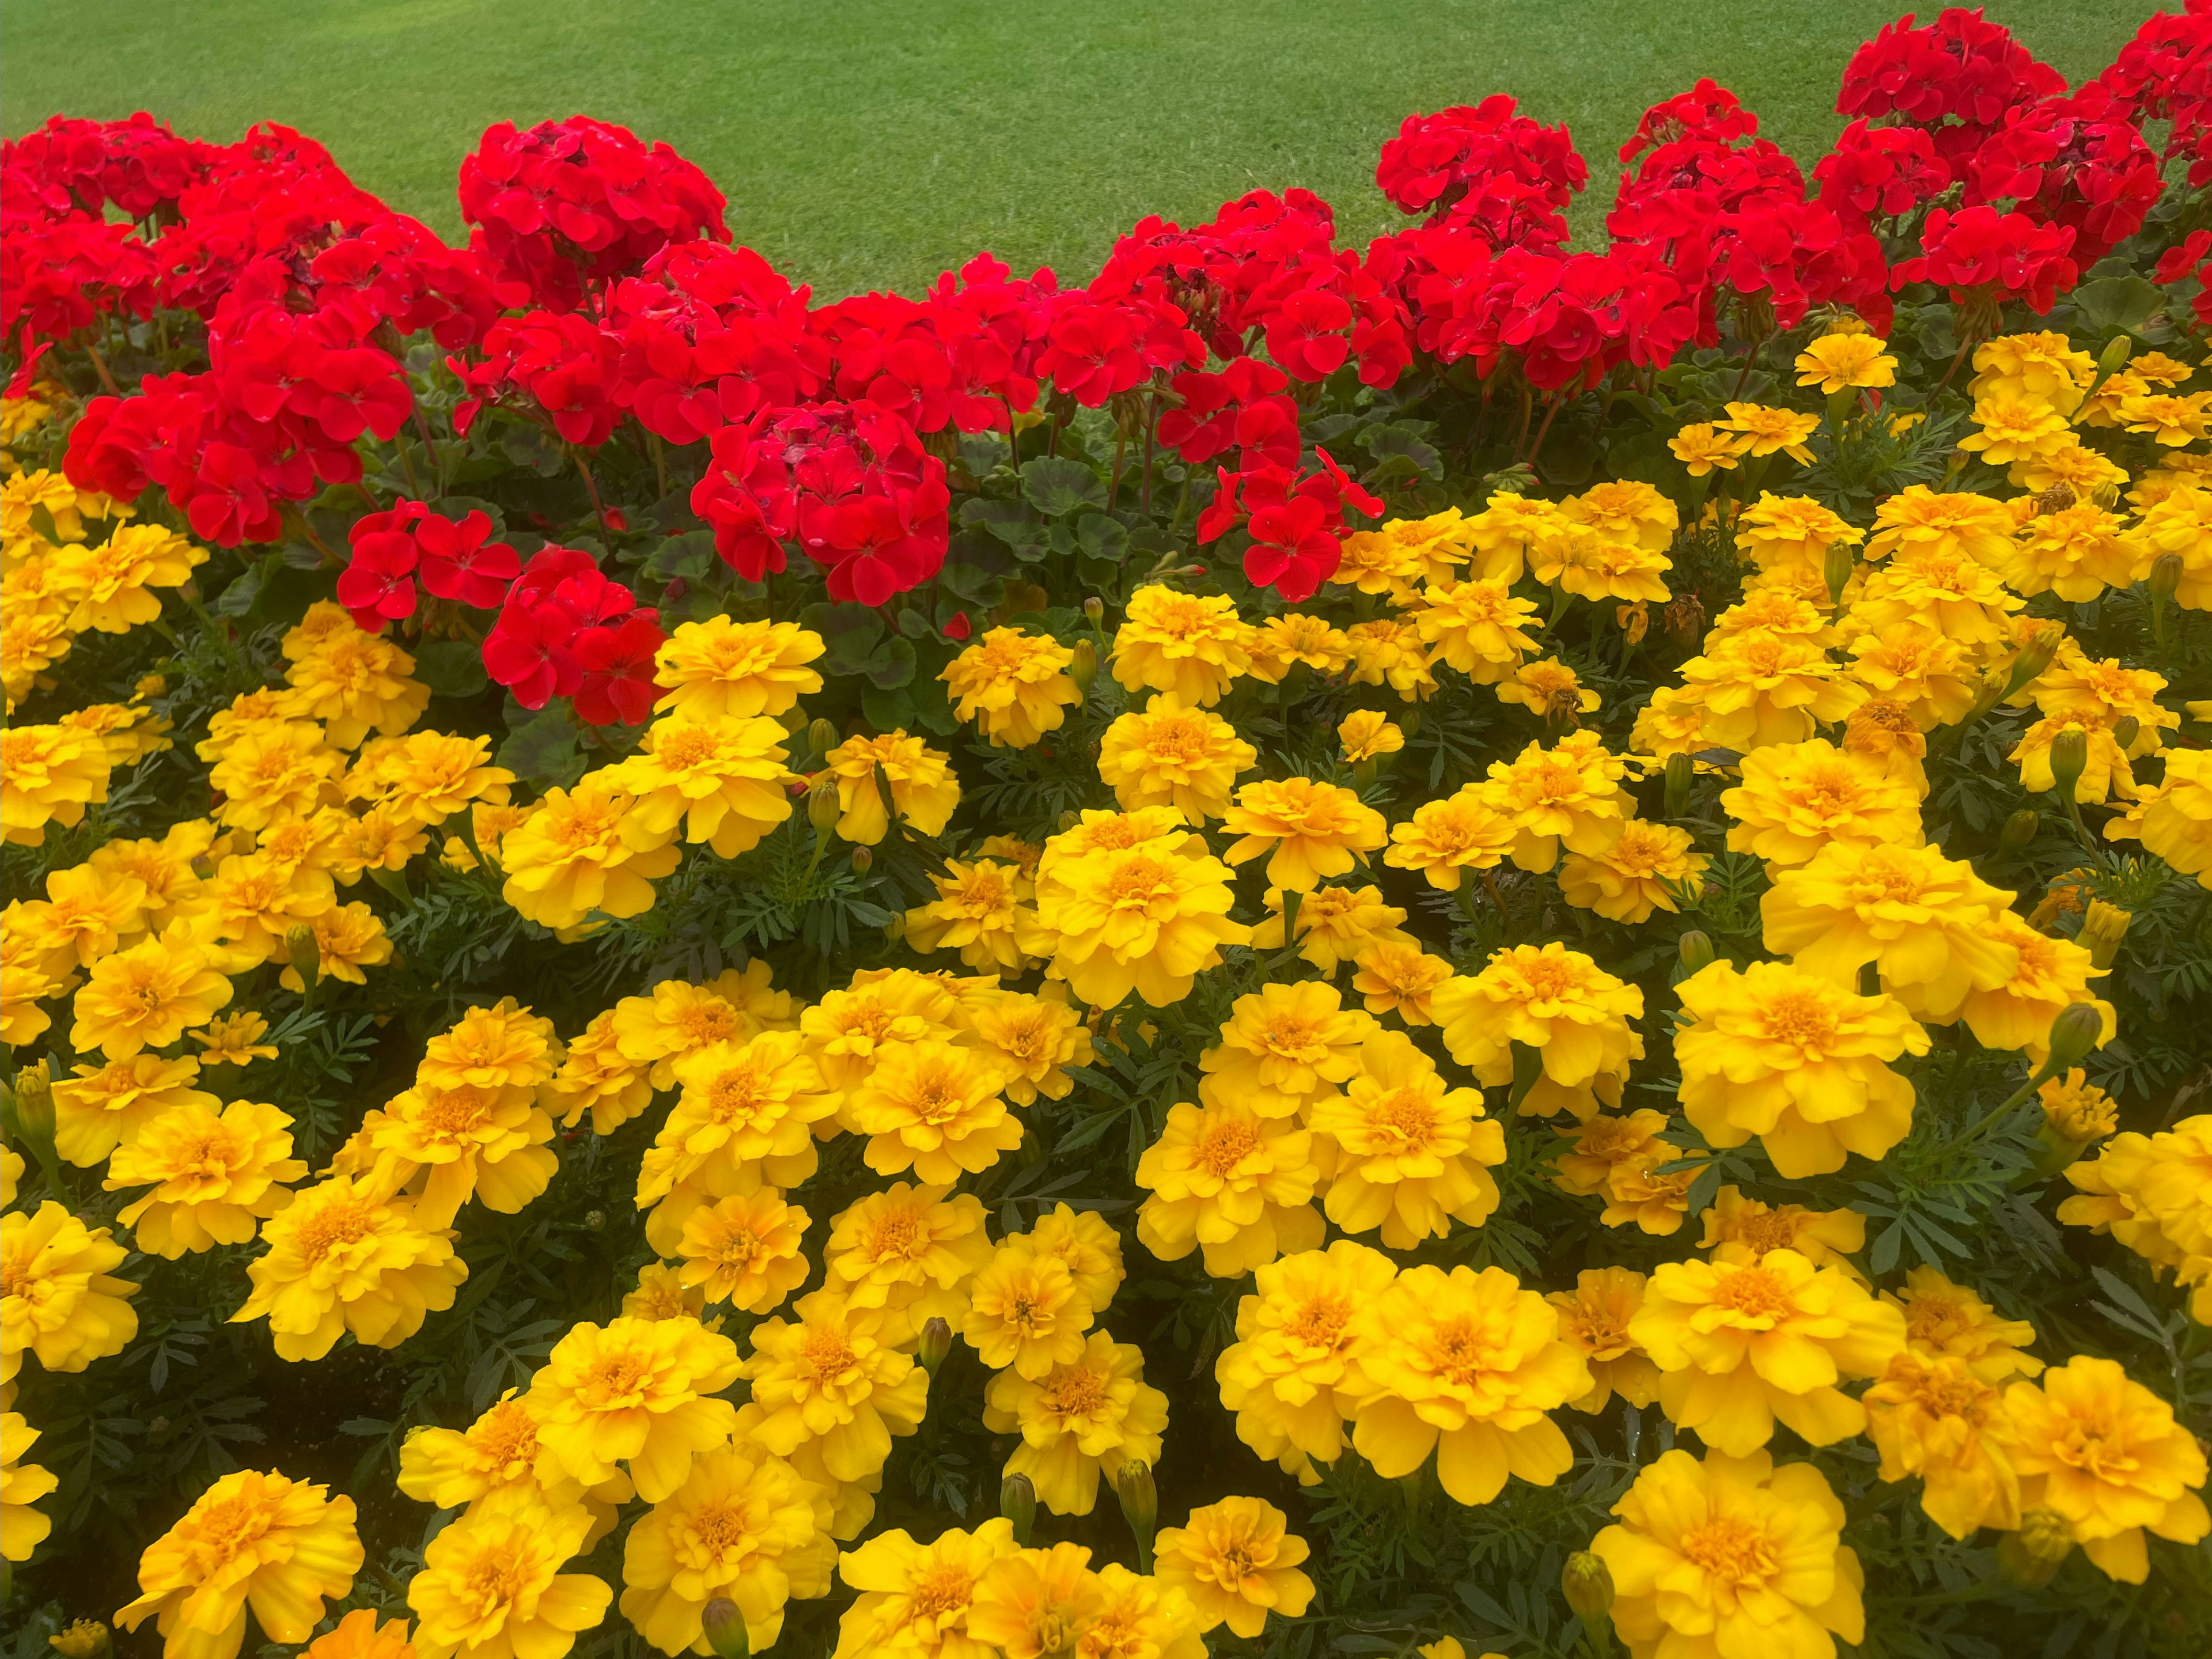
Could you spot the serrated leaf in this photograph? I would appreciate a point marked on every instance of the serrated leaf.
(1056, 486)
(451, 668)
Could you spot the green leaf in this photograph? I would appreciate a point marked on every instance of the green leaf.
(1056, 486)
(1385, 442)
(976, 567)
(850, 634)
(542, 751)
(1100, 536)
(690, 557)
(451, 668)
(2117, 302)
(892, 665)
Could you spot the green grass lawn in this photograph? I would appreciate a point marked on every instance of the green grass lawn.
(864, 143)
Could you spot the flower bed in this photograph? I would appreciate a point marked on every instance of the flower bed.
(1461, 946)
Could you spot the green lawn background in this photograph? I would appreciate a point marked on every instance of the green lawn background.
(864, 143)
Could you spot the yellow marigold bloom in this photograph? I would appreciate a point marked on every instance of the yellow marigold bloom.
(721, 779)
(1961, 525)
(24, 983)
(277, 1545)
(1745, 1339)
(99, 1109)
(582, 850)
(1310, 830)
(981, 911)
(910, 1249)
(2105, 1453)
(1015, 685)
(2169, 420)
(638, 1392)
(2076, 1111)
(1280, 643)
(1644, 868)
(31, 643)
(1824, 1237)
(848, 1031)
(2078, 685)
(1404, 1152)
(1398, 977)
(832, 1376)
(1444, 837)
(1758, 689)
(1731, 1555)
(1334, 925)
(86, 915)
(1779, 531)
(213, 1177)
(1191, 644)
(1702, 446)
(1796, 798)
(491, 1586)
(1364, 734)
(2076, 553)
(933, 1108)
(744, 1526)
(348, 938)
(1170, 754)
(1598, 565)
(747, 1109)
(276, 769)
(1943, 1321)
(357, 1636)
(1594, 1322)
(679, 1020)
(1079, 1422)
(109, 579)
(1033, 1039)
(1773, 610)
(2043, 364)
(339, 1258)
(1766, 430)
(1291, 1375)
(1509, 532)
(2174, 820)
(489, 825)
(1626, 510)
(1548, 690)
(500, 1453)
(2086, 472)
(1386, 652)
(22, 1528)
(1438, 544)
(1237, 1562)
(923, 790)
(1148, 919)
(1556, 1001)
(355, 683)
(722, 667)
(595, 1077)
(1467, 1364)
(1286, 1047)
(1924, 922)
(1375, 561)
(661, 1294)
(1797, 1059)
(164, 868)
(48, 775)
(1229, 1182)
(147, 996)
(1840, 362)
(1479, 627)
(380, 839)
(2014, 427)
(1024, 1310)
(1934, 1419)
(253, 903)
(914, 1598)
(2053, 974)
(745, 1250)
(57, 1299)
(450, 1145)
(1933, 678)
(1567, 795)
(2106, 771)
(2181, 524)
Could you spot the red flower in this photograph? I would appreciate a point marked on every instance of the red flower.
(1980, 253)
(460, 563)
(616, 686)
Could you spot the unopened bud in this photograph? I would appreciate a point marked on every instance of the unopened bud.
(1094, 607)
(2030, 1557)
(1586, 1582)
(2019, 832)
(34, 1105)
(2078, 1029)
(725, 1628)
(2032, 659)
(1084, 667)
(936, 1343)
(863, 860)
(1410, 721)
(1681, 772)
(305, 951)
(2114, 357)
(2069, 754)
(1836, 567)
(1696, 950)
(1140, 1503)
(594, 1220)
(2103, 927)
(2126, 731)
(822, 737)
(2165, 574)
(823, 810)
(88, 1639)
(1017, 1503)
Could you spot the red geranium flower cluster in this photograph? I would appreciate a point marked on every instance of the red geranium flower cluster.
(561, 364)
(454, 558)
(58, 275)
(1297, 525)
(1956, 77)
(1467, 154)
(1244, 407)
(965, 355)
(570, 206)
(1708, 110)
(851, 485)
(72, 166)
(568, 631)
(2077, 162)
(2165, 74)
(1987, 259)
(1880, 172)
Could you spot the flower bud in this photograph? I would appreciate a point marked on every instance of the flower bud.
(725, 1627)
(1410, 721)
(1140, 1503)
(863, 860)
(2165, 573)
(88, 1639)
(1017, 1503)
(823, 811)
(2032, 659)
(34, 1106)
(595, 1221)
(936, 1343)
(1696, 950)
(1083, 668)
(1681, 772)
(2078, 1029)
(822, 737)
(305, 951)
(2019, 831)
(1586, 1582)
(2030, 1557)
(1837, 568)
(1094, 607)
(2069, 754)
(2103, 927)
(2126, 731)
(2114, 357)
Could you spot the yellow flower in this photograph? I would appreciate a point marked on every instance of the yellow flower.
(348, 938)
(1839, 363)
(595, 1077)
(1310, 830)
(468, 1141)
(1024, 1310)
(1444, 837)
(22, 1528)
(1758, 689)
(427, 776)
(1191, 644)
(491, 1586)
(1934, 1419)
(1291, 1375)
(1745, 1339)
(635, 1391)
(355, 683)
(276, 769)
(277, 1545)
(341, 1258)
(2013, 428)
(1171, 754)
(2170, 420)
(1943, 1321)
(1960, 525)
(2053, 974)
(1646, 867)
(357, 1636)
(1227, 1180)
(1079, 1421)
(213, 1177)
(680, 1020)
(1017, 684)
(1141, 1618)
(914, 1597)
(1404, 1152)
(722, 779)
(1146, 918)
(1367, 734)
(1766, 430)
(382, 839)
(661, 1294)
(1594, 1322)
(1626, 510)
(1567, 795)
(2180, 523)
(1600, 566)
(1286, 1047)
(1281, 643)
(1032, 1039)
(745, 1250)
(2044, 364)
(2076, 553)
(2105, 770)
(48, 775)
(982, 910)
(748, 1109)
(1781, 532)
(1388, 652)
(1702, 446)
(1731, 1555)
(919, 780)
(1038, 1602)
(744, 1526)
(1509, 534)
(1826, 1238)
(109, 579)
(58, 1300)
(1466, 1364)
(86, 915)
(1237, 1562)
(1548, 690)
(909, 1249)
(722, 667)
(2075, 1110)
(1931, 677)
(1479, 627)
(1555, 1001)
(1796, 798)
(2105, 1453)
(831, 1377)
(501, 1451)
(584, 850)
(935, 1109)
(100, 1108)
(2087, 473)
(1398, 977)
(1334, 925)
(234, 1040)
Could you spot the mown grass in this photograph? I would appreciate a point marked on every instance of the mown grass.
(865, 143)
